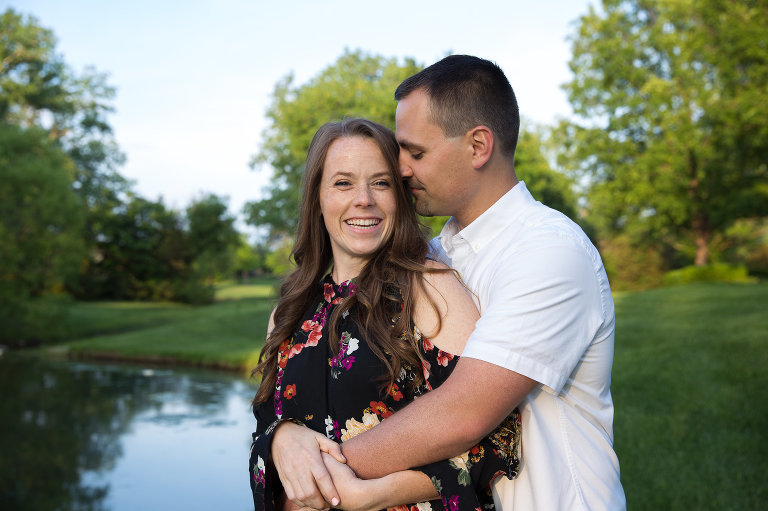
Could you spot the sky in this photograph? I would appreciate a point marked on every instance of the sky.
(194, 78)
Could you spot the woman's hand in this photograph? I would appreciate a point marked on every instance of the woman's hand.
(356, 494)
(295, 453)
(373, 494)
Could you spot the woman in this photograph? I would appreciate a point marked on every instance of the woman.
(345, 347)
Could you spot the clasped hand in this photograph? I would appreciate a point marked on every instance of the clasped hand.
(313, 472)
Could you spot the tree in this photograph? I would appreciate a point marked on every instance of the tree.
(211, 236)
(40, 223)
(38, 89)
(552, 188)
(140, 253)
(361, 85)
(356, 85)
(672, 96)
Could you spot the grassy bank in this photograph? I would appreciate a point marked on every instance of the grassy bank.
(227, 334)
(689, 379)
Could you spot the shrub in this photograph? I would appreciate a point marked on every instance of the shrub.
(193, 292)
(631, 267)
(718, 272)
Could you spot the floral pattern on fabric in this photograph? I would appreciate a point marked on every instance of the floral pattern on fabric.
(340, 396)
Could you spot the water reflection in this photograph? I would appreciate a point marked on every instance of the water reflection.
(79, 436)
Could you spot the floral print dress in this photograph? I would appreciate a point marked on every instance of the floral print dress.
(340, 395)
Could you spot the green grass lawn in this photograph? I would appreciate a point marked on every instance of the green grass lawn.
(689, 378)
(689, 386)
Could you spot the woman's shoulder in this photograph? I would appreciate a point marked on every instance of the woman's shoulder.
(444, 310)
(434, 264)
(443, 280)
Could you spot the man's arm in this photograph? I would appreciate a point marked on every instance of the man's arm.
(442, 423)
(438, 425)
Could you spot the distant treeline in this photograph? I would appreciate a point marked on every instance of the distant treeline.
(665, 163)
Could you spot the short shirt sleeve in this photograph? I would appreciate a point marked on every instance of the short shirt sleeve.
(542, 310)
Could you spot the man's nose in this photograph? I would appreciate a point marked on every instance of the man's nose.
(405, 169)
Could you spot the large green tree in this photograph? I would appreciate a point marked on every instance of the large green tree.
(674, 141)
(40, 223)
(212, 237)
(39, 90)
(549, 186)
(358, 84)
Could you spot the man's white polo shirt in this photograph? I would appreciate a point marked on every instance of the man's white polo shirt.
(547, 313)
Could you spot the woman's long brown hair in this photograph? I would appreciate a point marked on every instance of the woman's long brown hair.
(386, 281)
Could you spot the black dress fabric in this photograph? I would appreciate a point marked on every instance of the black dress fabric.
(340, 396)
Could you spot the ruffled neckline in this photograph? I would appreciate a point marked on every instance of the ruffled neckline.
(346, 288)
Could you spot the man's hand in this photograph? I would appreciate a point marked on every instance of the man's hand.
(352, 491)
(382, 493)
(296, 454)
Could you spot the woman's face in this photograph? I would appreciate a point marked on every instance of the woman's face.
(357, 200)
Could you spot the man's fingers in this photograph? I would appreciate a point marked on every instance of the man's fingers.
(333, 448)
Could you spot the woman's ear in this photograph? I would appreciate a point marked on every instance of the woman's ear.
(481, 138)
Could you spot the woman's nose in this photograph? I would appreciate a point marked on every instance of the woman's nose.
(363, 197)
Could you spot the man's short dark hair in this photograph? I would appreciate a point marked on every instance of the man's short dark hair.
(465, 92)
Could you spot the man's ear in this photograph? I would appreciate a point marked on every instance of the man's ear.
(482, 141)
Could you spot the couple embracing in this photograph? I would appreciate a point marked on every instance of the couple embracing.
(469, 372)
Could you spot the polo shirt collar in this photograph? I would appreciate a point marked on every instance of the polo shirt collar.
(487, 226)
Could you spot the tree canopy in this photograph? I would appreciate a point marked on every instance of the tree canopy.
(360, 85)
(356, 85)
(41, 215)
(70, 221)
(673, 142)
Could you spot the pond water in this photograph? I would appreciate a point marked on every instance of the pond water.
(121, 438)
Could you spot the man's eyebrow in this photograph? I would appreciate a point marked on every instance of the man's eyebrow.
(404, 144)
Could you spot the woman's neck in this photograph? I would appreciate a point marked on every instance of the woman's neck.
(343, 273)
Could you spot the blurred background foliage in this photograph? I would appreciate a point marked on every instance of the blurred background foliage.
(664, 165)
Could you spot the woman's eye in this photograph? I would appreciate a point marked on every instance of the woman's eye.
(382, 183)
(417, 156)
(342, 182)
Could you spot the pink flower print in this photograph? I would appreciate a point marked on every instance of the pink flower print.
(425, 367)
(308, 325)
(314, 336)
(427, 345)
(347, 363)
(328, 293)
(452, 503)
(295, 350)
(336, 432)
(443, 358)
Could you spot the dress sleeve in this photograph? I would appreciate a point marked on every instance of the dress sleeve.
(464, 481)
(265, 483)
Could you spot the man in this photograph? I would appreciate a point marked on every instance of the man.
(545, 337)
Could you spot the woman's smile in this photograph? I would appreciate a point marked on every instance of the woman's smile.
(357, 201)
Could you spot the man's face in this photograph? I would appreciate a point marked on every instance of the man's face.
(432, 165)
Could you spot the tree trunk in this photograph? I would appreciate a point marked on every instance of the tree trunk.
(702, 241)
(700, 221)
